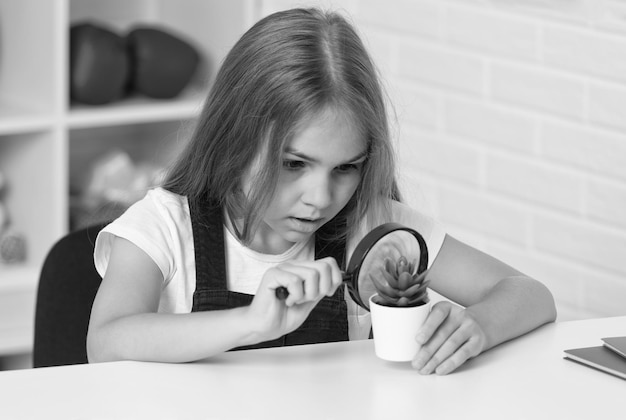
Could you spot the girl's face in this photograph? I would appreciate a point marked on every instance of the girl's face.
(321, 170)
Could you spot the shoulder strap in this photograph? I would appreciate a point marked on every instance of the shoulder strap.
(208, 237)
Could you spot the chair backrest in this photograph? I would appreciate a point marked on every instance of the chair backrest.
(67, 287)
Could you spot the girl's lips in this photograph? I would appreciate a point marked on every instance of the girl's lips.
(304, 225)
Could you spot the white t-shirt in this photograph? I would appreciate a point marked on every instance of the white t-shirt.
(160, 225)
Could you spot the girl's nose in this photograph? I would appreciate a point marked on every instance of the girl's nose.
(317, 191)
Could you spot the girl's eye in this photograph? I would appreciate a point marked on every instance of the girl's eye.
(349, 167)
(293, 165)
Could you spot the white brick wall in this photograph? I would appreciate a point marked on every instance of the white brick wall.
(512, 130)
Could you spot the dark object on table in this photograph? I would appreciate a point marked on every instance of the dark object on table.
(600, 358)
(99, 64)
(162, 63)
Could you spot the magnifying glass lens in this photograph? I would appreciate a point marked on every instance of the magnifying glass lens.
(377, 256)
(382, 261)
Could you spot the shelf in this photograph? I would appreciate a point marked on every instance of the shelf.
(17, 120)
(17, 340)
(18, 278)
(18, 289)
(137, 110)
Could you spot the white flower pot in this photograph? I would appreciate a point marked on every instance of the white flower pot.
(395, 329)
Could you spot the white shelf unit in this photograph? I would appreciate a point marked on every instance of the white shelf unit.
(47, 142)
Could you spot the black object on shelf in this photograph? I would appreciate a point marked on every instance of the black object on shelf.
(162, 63)
(149, 60)
(99, 64)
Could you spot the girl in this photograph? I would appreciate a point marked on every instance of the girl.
(289, 166)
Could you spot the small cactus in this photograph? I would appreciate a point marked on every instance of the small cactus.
(400, 284)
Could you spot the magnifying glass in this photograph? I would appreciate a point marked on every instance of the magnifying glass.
(389, 241)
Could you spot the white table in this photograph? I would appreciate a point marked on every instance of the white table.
(524, 379)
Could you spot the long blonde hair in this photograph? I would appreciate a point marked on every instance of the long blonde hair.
(288, 66)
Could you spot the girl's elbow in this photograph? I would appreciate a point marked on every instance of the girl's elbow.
(549, 304)
(94, 353)
(98, 349)
(553, 311)
(534, 296)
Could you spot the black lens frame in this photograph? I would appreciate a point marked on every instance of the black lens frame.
(351, 275)
(365, 246)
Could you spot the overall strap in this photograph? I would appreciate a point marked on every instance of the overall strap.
(208, 238)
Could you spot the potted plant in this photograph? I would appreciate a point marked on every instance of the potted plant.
(399, 308)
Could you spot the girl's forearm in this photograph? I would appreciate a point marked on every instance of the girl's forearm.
(515, 306)
(171, 337)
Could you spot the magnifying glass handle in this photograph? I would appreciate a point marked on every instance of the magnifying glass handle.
(282, 292)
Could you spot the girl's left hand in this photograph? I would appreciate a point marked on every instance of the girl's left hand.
(450, 336)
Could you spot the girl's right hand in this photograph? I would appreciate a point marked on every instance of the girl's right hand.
(307, 282)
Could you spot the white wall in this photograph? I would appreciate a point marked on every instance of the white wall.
(512, 130)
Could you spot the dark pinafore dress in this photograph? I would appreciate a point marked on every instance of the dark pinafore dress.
(327, 322)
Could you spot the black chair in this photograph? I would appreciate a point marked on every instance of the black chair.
(67, 287)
